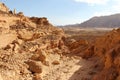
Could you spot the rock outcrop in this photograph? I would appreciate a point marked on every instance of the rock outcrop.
(25, 45)
(107, 48)
(33, 49)
(3, 7)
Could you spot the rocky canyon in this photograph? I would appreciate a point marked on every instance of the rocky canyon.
(31, 48)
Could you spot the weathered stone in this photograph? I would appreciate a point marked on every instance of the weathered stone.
(20, 14)
(37, 77)
(34, 66)
(3, 7)
(55, 62)
(107, 48)
(39, 56)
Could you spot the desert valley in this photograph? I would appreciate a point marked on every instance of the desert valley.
(31, 48)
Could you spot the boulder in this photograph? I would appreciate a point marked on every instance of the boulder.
(55, 62)
(25, 35)
(34, 66)
(39, 56)
(20, 14)
(37, 77)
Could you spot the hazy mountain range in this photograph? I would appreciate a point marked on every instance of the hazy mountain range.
(111, 21)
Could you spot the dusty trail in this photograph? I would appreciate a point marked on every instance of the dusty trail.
(74, 68)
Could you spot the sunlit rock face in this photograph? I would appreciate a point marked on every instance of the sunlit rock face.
(31, 48)
(3, 7)
(107, 48)
(26, 44)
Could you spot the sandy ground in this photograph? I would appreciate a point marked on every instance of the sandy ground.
(69, 69)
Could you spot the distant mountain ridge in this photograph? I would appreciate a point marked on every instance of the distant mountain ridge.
(111, 21)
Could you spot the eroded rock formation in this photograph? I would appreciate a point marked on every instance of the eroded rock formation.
(107, 48)
(3, 7)
(32, 49)
(25, 45)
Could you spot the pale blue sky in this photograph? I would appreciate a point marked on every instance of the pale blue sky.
(62, 12)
